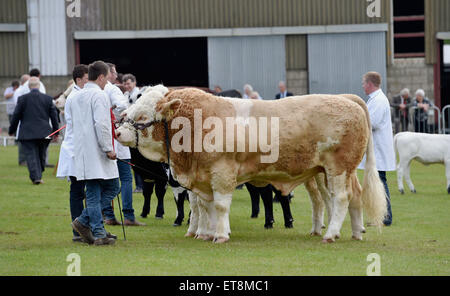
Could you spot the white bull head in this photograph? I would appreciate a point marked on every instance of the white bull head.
(143, 123)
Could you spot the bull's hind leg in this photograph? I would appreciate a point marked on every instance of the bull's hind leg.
(318, 207)
(222, 203)
(406, 170)
(356, 208)
(326, 196)
(337, 186)
(193, 219)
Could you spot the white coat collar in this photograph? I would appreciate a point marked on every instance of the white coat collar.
(92, 85)
(373, 94)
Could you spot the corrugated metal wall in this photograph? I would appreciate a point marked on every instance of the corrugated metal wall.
(47, 35)
(437, 19)
(14, 54)
(207, 14)
(13, 11)
(337, 62)
(13, 45)
(235, 61)
(195, 14)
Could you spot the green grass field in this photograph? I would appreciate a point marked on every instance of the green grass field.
(35, 235)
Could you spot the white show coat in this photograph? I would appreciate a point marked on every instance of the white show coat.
(132, 96)
(383, 140)
(117, 99)
(92, 134)
(66, 166)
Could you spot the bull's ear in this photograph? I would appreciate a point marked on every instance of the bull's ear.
(170, 109)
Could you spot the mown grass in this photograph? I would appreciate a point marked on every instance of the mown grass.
(35, 235)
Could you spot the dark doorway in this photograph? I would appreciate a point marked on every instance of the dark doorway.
(445, 76)
(171, 61)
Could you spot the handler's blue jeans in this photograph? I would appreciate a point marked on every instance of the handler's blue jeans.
(126, 190)
(388, 219)
(98, 191)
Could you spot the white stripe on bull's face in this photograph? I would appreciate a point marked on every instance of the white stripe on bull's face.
(144, 111)
(127, 135)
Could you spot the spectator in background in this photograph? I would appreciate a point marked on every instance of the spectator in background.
(401, 104)
(217, 89)
(383, 141)
(131, 94)
(23, 79)
(248, 89)
(34, 110)
(129, 81)
(255, 96)
(9, 97)
(422, 105)
(283, 91)
(66, 166)
(119, 104)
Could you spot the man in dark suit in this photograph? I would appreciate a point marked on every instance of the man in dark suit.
(283, 91)
(34, 110)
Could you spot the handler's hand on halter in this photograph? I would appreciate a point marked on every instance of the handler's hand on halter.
(111, 155)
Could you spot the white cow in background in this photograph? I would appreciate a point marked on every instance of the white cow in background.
(425, 148)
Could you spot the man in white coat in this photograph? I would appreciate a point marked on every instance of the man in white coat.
(94, 155)
(119, 103)
(66, 165)
(383, 141)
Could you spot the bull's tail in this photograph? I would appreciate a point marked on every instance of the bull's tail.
(373, 192)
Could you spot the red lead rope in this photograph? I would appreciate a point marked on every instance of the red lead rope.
(113, 127)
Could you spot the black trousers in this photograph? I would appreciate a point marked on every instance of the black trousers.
(35, 152)
(77, 194)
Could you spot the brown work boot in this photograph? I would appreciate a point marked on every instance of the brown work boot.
(84, 231)
(133, 223)
(112, 222)
(104, 241)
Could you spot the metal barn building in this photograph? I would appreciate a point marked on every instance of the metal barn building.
(316, 46)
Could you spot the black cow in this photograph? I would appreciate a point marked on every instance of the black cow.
(155, 176)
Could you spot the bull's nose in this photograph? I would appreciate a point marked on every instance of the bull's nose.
(117, 134)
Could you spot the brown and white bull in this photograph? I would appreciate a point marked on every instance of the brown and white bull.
(313, 134)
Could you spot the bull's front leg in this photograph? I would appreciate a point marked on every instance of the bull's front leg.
(207, 219)
(222, 203)
(193, 220)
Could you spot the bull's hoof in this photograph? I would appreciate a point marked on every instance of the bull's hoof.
(328, 240)
(220, 240)
(337, 236)
(315, 233)
(202, 237)
(414, 191)
(176, 224)
(402, 191)
(363, 230)
(289, 225)
(359, 237)
(323, 227)
(189, 234)
(448, 190)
